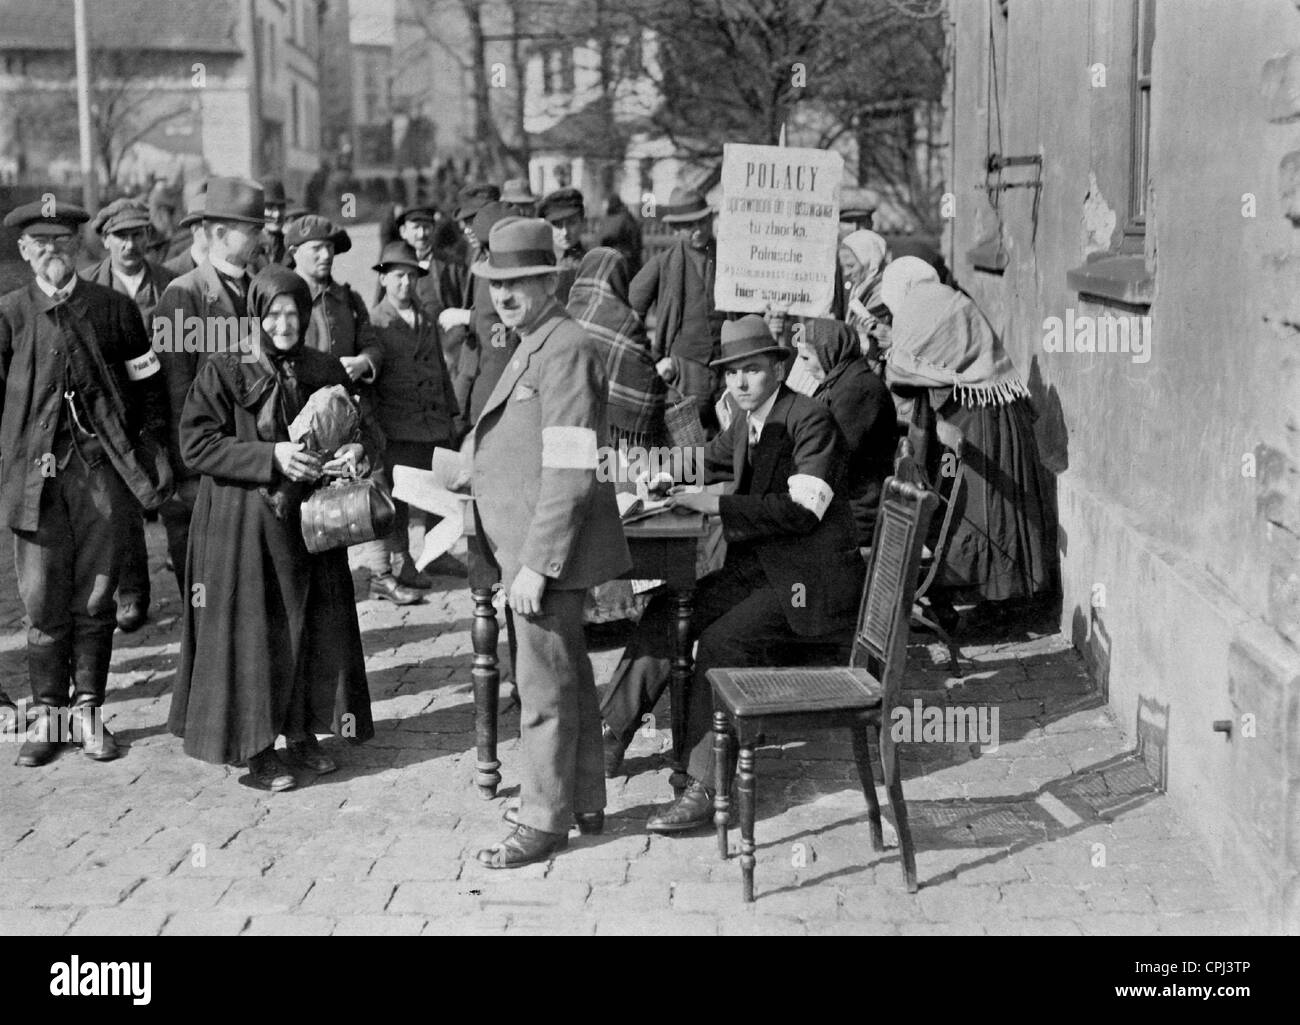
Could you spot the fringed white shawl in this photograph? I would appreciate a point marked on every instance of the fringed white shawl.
(941, 339)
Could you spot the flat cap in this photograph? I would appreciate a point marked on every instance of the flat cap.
(560, 204)
(121, 215)
(314, 228)
(46, 217)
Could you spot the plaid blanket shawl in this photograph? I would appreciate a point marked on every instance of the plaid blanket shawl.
(599, 303)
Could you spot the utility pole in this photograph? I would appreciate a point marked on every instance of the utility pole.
(86, 132)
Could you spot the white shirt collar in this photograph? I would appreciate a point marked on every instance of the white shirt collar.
(759, 416)
(59, 294)
(131, 281)
(407, 314)
(228, 269)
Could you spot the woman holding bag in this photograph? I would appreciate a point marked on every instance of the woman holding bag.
(271, 644)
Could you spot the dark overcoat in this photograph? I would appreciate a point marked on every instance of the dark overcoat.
(262, 610)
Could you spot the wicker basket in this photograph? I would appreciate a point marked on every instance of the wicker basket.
(682, 420)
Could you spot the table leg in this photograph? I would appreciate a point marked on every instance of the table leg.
(683, 667)
(487, 682)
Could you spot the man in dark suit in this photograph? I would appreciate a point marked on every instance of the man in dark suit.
(792, 568)
(553, 528)
(124, 226)
(81, 417)
(565, 211)
(215, 296)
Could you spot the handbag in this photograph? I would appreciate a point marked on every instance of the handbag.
(346, 512)
(682, 420)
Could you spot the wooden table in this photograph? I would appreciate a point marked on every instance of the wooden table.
(663, 548)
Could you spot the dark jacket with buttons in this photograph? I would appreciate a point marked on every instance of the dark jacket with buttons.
(790, 510)
(413, 393)
(340, 325)
(156, 279)
(540, 500)
(33, 375)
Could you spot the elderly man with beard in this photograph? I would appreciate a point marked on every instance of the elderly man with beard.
(553, 528)
(124, 227)
(81, 411)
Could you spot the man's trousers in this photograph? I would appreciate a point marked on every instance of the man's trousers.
(133, 578)
(737, 618)
(67, 573)
(563, 769)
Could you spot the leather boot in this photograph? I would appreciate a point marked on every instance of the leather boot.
(589, 823)
(44, 737)
(524, 846)
(267, 770)
(408, 576)
(387, 587)
(693, 810)
(89, 731)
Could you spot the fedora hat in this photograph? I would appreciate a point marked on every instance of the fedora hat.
(486, 219)
(518, 247)
(747, 337)
(273, 190)
(398, 254)
(234, 199)
(684, 206)
(314, 228)
(517, 190)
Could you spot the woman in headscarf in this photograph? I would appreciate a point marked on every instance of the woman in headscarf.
(863, 255)
(598, 301)
(271, 644)
(970, 401)
(859, 401)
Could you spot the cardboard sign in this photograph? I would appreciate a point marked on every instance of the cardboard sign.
(778, 229)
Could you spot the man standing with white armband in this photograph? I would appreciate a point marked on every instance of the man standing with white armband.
(82, 413)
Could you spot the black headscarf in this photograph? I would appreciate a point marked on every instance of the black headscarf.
(271, 283)
(836, 347)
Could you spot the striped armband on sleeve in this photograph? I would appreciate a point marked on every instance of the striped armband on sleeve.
(142, 366)
(568, 448)
(813, 493)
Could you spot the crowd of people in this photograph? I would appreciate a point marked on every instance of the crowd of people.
(495, 330)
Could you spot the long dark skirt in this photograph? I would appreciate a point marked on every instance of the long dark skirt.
(1000, 541)
(271, 640)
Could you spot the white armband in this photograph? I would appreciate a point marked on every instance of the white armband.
(569, 448)
(813, 493)
(142, 366)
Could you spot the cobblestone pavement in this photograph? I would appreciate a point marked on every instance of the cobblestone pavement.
(1060, 830)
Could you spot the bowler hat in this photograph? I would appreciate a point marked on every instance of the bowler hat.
(40, 218)
(518, 247)
(517, 190)
(560, 204)
(749, 336)
(684, 206)
(121, 215)
(398, 254)
(234, 199)
(273, 190)
(314, 228)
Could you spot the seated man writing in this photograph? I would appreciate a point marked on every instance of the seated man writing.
(792, 568)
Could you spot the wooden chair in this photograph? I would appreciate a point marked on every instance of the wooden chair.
(921, 614)
(750, 702)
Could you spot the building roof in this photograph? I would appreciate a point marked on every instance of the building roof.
(206, 26)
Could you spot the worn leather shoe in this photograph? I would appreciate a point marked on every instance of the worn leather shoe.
(90, 732)
(524, 846)
(131, 615)
(589, 823)
(310, 755)
(693, 810)
(43, 738)
(408, 576)
(387, 587)
(614, 751)
(267, 770)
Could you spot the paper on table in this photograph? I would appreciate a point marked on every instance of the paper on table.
(421, 488)
(439, 540)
